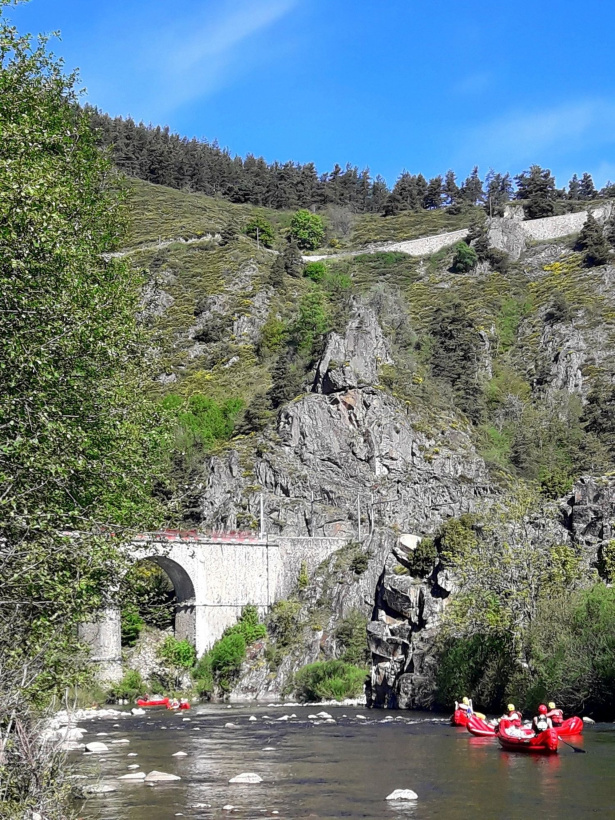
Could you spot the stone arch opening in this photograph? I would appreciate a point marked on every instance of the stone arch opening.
(184, 604)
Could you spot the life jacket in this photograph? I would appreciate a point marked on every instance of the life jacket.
(557, 716)
(541, 723)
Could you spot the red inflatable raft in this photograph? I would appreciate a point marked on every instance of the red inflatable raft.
(478, 727)
(544, 743)
(570, 727)
(158, 702)
(459, 718)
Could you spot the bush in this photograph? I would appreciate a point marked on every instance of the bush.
(129, 688)
(178, 654)
(307, 229)
(132, 624)
(329, 680)
(316, 271)
(259, 228)
(465, 258)
(351, 634)
(226, 657)
(422, 560)
(359, 563)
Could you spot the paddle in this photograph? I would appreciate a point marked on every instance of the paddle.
(574, 748)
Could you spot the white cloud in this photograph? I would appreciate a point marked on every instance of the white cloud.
(182, 57)
(526, 135)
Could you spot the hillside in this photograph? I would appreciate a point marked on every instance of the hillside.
(390, 387)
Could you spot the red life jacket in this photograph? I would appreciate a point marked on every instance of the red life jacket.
(557, 717)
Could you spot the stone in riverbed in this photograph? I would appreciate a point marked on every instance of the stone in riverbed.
(588, 720)
(96, 747)
(231, 726)
(403, 794)
(133, 776)
(136, 711)
(180, 754)
(324, 715)
(246, 777)
(160, 777)
(97, 788)
(252, 718)
(133, 766)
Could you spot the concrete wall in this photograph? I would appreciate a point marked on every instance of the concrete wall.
(213, 579)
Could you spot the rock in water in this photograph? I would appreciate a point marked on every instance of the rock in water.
(252, 718)
(588, 720)
(246, 777)
(96, 747)
(97, 788)
(180, 754)
(133, 776)
(160, 777)
(403, 794)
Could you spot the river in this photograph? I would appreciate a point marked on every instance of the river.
(340, 770)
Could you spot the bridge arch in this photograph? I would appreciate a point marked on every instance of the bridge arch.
(185, 606)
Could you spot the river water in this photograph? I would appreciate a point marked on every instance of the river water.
(340, 770)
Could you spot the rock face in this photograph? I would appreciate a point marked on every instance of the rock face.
(345, 439)
(353, 360)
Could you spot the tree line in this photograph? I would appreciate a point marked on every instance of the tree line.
(155, 154)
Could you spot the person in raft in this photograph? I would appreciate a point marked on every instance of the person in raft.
(541, 721)
(465, 706)
(556, 715)
(512, 716)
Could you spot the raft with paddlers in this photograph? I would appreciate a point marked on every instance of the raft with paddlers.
(572, 726)
(513, 739)
(459, 718)
(153, 702)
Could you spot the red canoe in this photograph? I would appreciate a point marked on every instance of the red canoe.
(459, 718)
(158, 702)
(570, 727)
(544, 743)
(478, 727)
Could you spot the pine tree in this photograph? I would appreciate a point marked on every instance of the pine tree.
(592, 241)
(499, 191)
(574, 188)
(537, 186)
(433, 194)
(587, 189)
(451, 189)
(472, 189)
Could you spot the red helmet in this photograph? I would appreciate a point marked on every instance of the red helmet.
(542, 709)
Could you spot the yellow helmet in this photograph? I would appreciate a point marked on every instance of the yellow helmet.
(465, 701)
(551, 705)
(511, 707)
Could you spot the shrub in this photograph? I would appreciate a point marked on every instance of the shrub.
(226, 657)
(129, 688)
(132, 624)
(465, 258)
(307, 229)
(178, 654)
(422, 560)
(359, 563)
(259, 228)
(351, 634)
(316, 271)
(303, 579)
(329, 680)
(283, 622)
(456, 538)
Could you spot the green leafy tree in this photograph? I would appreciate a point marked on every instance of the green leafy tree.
(307, 229)
(258, 228)
(316, 271)
(81, 447)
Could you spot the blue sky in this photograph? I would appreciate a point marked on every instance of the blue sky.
(389, 84)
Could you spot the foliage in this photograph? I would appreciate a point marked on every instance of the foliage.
(176, 653)
(422, 560)
(456, 539)
(350, 632)
(537, 186)
(316, 271)
(283, 622)
(260, 228)
(132, 625)
(147, 597)
(307, 229)
(465, 258)
(591, 240)
(359, 563)
(219, 667)
(329, 680)
(312, 322)
(607, 561)
(129, 688)
(303, 578)
(82, 449)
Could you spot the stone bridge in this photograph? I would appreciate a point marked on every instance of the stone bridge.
(214, 576)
